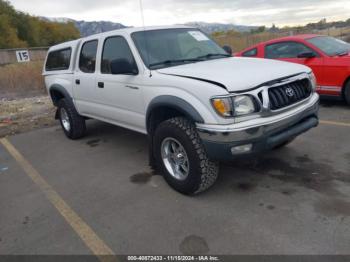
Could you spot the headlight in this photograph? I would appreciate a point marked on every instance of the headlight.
(313, 80)
(243, 105)
(234, 106)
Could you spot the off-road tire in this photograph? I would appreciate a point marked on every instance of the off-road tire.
(77, 122)
(202, 171)
(347, 92)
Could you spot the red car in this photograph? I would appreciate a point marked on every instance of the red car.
(328, 57)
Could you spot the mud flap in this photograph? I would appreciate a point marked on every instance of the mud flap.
(151, 158)
(57, 114)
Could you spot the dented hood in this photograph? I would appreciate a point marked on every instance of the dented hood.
(236, 73)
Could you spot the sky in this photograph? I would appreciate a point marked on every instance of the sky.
(165, 12)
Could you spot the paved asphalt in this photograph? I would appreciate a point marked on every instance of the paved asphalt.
(292, 201)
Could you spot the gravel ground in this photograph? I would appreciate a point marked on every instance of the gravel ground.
(25, 114)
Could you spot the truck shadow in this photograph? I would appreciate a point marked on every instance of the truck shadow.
(301, 171)
(324, 102)
(286, 168)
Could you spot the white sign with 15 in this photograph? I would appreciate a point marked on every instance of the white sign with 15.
(22, 56)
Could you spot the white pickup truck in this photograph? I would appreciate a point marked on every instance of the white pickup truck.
(197, 104)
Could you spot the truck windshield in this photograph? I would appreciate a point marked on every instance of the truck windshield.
(330, 45)
(171, 47)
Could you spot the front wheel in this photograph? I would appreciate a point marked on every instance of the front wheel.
(181, 157)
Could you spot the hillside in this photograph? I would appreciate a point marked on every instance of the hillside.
(21, 30)
(88, 28)
(238, 40)
(95, 27)
(219, 27)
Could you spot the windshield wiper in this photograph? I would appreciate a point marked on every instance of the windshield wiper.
(213, 55)
(175, 61)
(197, 59)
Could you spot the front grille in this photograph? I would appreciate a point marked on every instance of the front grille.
(289, 94)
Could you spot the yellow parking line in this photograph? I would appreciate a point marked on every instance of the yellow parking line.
(84, 231)
(334, 123)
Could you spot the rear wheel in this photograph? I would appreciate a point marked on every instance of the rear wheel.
(347, 92)
(181, 157)
(72, 123)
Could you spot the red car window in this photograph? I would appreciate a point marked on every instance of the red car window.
(286, 50)
(331, 46)
(251, 53)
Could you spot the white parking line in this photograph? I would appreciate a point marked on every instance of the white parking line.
(82, 229)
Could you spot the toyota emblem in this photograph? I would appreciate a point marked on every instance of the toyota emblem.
(289, 92)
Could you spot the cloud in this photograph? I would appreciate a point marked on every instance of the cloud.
(246, 12)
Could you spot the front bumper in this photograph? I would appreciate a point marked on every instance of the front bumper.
(262, 133)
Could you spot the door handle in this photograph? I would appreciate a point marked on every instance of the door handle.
(101, 84)
(133, 87)
(77, 81)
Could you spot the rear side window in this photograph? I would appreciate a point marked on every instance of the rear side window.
(87, 60)
(250, 53)
(58, 60)
(115, 48)
(286, 50)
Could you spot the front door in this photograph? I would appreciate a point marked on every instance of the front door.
(289, 51)
(120, 93)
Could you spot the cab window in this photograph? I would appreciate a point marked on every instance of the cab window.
(116, 49)
(58, 60)
(286, 50)
(251, 53)
(87, 60)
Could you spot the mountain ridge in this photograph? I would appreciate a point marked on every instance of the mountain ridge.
(87, 28)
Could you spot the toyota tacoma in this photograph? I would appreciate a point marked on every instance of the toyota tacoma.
(197, 104)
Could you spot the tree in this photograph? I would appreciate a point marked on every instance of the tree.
(20, 30)
(8, 37)
(274, 29)
(258, 30)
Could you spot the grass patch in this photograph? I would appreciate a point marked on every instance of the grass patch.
(24, 78)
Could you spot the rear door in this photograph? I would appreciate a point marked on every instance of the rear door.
(85, 79)
(289, 50)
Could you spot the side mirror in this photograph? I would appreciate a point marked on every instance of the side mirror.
(228, 49)
(123, 67)
(307, 55)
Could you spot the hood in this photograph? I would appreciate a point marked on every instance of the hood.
(236, 73)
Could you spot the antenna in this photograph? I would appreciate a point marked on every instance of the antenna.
(142, 15)
(144, 34)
